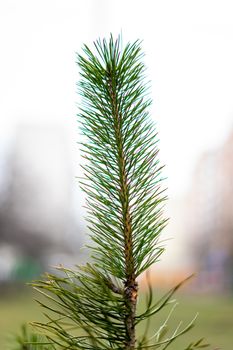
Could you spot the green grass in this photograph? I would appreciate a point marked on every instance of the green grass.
(15, 310)
(215, 321)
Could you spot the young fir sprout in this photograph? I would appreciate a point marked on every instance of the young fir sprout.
(95, 306)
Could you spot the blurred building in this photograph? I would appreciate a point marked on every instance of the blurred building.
(209, 217)
(37, 220)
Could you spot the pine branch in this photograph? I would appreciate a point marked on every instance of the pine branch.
(94, 307)
(116, 121)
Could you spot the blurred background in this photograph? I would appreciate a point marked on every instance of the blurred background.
(189, 55)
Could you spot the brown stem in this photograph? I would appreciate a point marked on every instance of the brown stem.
(131, 286)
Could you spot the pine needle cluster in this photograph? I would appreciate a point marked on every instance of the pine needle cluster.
(94, 307)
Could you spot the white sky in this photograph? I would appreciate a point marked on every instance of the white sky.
(189, 54)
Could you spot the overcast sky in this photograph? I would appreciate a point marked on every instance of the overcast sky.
(189, 55)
